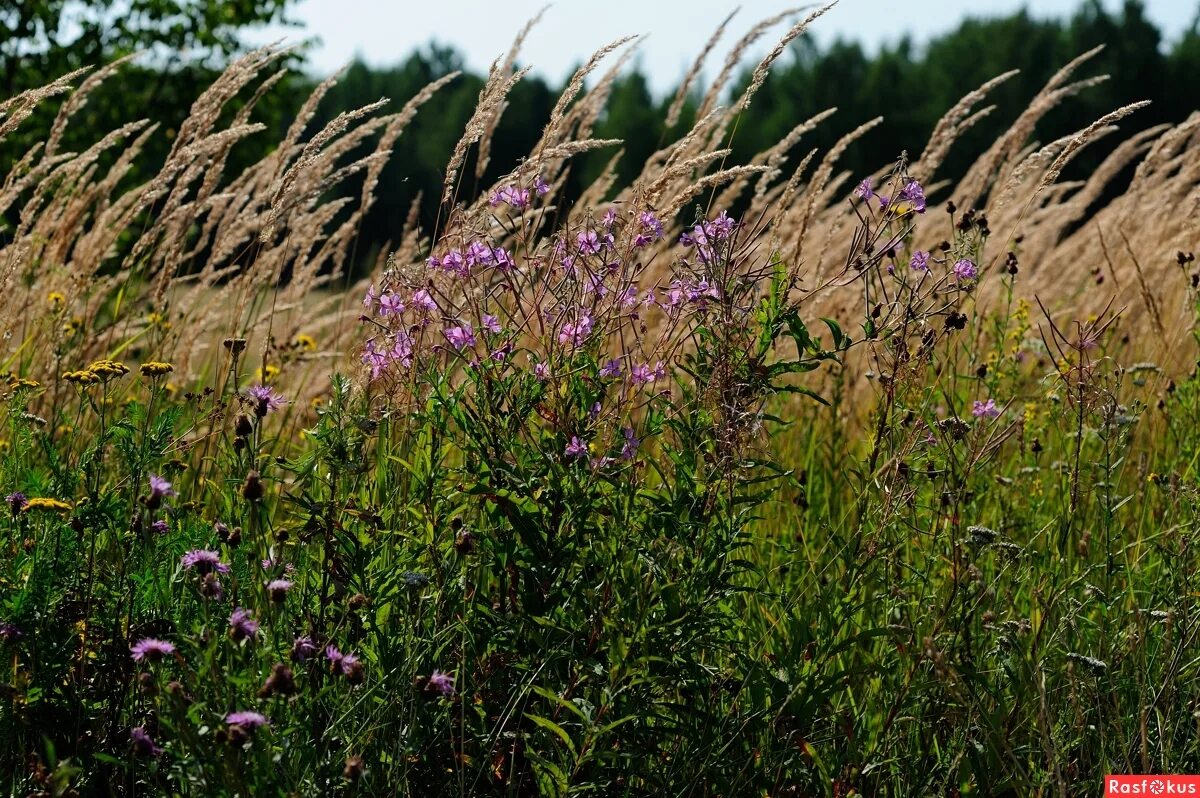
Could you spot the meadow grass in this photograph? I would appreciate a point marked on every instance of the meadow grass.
(859, 492)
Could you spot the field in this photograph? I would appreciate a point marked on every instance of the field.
(741, 479)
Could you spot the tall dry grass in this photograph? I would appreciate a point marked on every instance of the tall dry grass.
(195, 255)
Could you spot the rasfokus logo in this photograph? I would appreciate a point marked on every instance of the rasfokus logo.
(1151, 785)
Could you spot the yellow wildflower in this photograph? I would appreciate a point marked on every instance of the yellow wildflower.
(82, 378)
(267, 374)
(57, 301)
(47, 504)
(154, 368)
(108, 369)
(306, 342)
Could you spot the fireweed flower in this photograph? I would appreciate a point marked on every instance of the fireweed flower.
(16, 502)
(143, 743)
(425, 301)
(864, 189)
(542, 371)
(480, 254)
(576, 332)
(151, 648)
(203, 561)
(242, 624)
(374, 359)
(611, 369)
(369, 298)
(491, 323)
(631, 444)
(914, 194)
(588, 242)
(540, 187)
(517, 198)
(965, 270)
(265, 398)
(609, 218)
(390, 304)
(502, 259)
(461, 336)
(986, 409)
(576, 448)
(721, 227)
(441, 682)
(920, 261)
(454, 263)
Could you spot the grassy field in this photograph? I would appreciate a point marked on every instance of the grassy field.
(885, 485)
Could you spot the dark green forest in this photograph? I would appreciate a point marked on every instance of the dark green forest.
(911, 82)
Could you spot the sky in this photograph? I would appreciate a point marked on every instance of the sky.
(384, 32)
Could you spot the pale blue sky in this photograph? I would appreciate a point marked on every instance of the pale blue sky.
(385, 31)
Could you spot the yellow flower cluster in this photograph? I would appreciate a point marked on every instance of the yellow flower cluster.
(108, 369)
(267, 374)
(47, 504)
(306, 342)
(57, 301)
(82, 378)
(155, 368)
(22, 382)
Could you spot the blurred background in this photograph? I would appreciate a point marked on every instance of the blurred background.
(906, 61)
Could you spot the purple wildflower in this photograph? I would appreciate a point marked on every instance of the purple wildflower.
(986, 409)
(247, 720)
(542, 371)
(278, 589)
(441, 682)
(16, 501)
(503, 260)
(424, 300)
(302, 648)
(203, 561)
(641, 374)
(143, 743)
(864, 189)
(576, 332)
(631, 444)
(242, 624)
(160, 488)
(9, 632)
(390, 304)
(540, 187)
(461, 336)
(588, 242)
(160, 527)
(491, 323)
(265, 398)
(576, 448)
(454, 262)
(965, 270)
(611, 369)
(914, 193)
(151, 648)
(920, 261)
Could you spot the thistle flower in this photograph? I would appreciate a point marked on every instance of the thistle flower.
(9, 632)
(281, 682)
(965, 270)
(919, 261)
(203, 561)
(160, 527)
(441, 682)
(151, 648)
(303, 648)
(143, 743)
(265, 399)
(160, 488)
(414, 580)
(17, 501)
(246, 720)
(242, 625)
(278, 589)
